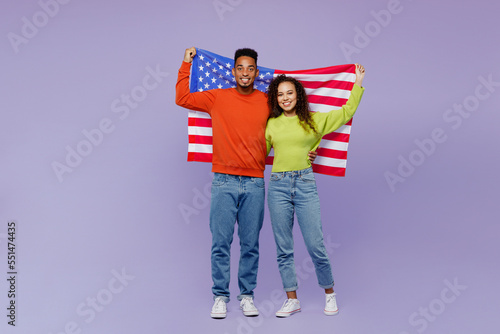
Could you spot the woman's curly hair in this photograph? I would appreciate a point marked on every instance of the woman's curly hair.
(301, 108)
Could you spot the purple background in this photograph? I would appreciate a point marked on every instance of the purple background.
(394, 251)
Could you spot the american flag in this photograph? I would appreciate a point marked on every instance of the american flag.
(327, 88)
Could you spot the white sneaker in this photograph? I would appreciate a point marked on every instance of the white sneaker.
(249, 309)
(331, 307)
(290, 306)
(219, 309)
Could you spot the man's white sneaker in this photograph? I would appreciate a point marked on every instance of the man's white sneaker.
(248, 308)
(219, 309)
(331, 307)
(290, 306)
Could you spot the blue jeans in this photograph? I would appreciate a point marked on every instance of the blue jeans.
(289, 192)
(236, 199)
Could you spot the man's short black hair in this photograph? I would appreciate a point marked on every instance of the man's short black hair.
(245, 52)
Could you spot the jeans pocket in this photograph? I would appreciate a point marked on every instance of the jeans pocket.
(276, 176)
(309, 178)
(259, 182)
(219, 180)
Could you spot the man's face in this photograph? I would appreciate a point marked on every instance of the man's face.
(245, 71)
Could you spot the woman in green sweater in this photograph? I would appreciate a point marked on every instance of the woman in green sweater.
(292, 130)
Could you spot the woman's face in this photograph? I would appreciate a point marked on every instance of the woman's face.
(287, 97)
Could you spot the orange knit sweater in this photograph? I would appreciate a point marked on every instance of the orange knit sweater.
(238, 125)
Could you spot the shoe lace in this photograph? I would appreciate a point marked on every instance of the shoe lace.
(331, 299)
(287, 304)
(247, 302)
(219, 304)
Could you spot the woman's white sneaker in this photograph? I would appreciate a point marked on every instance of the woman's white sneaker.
(219, 309)
(290, 306)
(331, 307)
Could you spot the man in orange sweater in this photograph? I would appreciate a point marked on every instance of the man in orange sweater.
(239, 116)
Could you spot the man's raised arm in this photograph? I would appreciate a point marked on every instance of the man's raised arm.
(201, 101)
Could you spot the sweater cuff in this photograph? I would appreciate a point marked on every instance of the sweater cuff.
(356, 87)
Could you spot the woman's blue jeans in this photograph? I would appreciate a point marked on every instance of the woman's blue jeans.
(236, 199)
(289, 192)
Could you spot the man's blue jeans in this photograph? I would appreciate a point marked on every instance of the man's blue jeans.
(290, 192)
(236, 199)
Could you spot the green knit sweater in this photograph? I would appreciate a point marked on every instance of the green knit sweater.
(291, 142)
